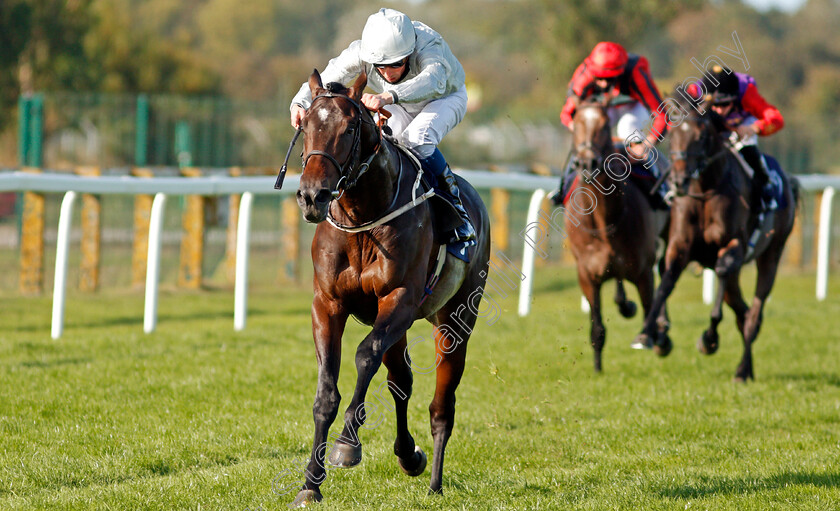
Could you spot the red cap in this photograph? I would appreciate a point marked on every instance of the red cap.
(607, 60)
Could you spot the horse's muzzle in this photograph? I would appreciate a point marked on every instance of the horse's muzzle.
(313, 202)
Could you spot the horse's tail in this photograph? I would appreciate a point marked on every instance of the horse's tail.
(796, 188)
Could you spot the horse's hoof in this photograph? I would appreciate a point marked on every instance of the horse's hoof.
(627, 309)
(642, 342)
(664, 346)
(708, 343)
(306, 497)
(740, 379)
(345, 455)
(418, 461)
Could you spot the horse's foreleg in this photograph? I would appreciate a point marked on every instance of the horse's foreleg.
(392, 322)
(644, 284)
(597, 333)
(626, 307)
(328, 321)
(710, 340)
(767, 264)
(400, 380)
(663, 322)
(676, 259)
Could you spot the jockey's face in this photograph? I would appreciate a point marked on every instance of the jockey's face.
(605, 84)
(392, 73)
(722, 109)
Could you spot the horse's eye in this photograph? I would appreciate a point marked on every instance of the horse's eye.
(350, 131)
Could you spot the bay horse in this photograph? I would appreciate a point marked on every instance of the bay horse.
(711, 224)
(612, 227)
(376, 268)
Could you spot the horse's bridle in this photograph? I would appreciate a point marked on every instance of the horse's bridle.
(347, 177)
(703, 161)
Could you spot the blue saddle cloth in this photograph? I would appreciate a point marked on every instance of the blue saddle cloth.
(777, 181)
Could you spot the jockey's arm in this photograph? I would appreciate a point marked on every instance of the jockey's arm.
(567, 112)
(644, 89)
(770, 120)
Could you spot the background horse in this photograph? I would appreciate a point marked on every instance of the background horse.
(616, 238)
(711, 224)
(354, 176)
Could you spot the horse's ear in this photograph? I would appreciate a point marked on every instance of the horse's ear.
(359, 87)
(315, 83)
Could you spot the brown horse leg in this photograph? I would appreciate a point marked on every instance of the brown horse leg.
(663, 322)
(597, 333)
(400, 380)
(392, 322)
(730, 258)
(709, 341)
(626, 307)
(736, 302)
(767, 264)
(328, 321)
(451, 334)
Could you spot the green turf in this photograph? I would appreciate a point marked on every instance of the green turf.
(196, 416)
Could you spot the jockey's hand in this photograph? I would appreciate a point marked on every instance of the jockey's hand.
(374, 102)
(746, 131)
(651, 140)
(297, 115)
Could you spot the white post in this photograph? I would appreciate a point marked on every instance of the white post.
(584, 304)
(65, 222)
(528, 255)
(708, 286)
(824, 243)
(243, 234)
(153, 263)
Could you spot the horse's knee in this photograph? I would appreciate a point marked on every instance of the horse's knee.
(441, 417)
(326, 405)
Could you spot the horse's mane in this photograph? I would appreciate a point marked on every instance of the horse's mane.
(681, 96)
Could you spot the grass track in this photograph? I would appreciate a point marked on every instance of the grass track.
(196, 416)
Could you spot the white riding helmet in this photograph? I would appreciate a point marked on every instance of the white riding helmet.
(388, 37)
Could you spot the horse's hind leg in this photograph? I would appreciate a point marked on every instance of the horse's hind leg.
(412, 459)
(451, 334)
(767, 264)
(626, 307)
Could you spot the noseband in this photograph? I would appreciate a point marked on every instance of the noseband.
(347, 177)
(703, 161)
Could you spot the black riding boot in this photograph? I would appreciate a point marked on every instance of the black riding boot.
(759, 198)
(448, 189)
(568, 172)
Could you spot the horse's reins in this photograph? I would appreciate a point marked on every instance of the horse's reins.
(704, 165)
(344, 169)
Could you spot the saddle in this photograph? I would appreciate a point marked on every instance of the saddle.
(445, 217)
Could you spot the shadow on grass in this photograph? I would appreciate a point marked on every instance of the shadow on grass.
(43, 364)
(730, 486)
(827, 378)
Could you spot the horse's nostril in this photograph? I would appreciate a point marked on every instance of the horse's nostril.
(322, 196)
